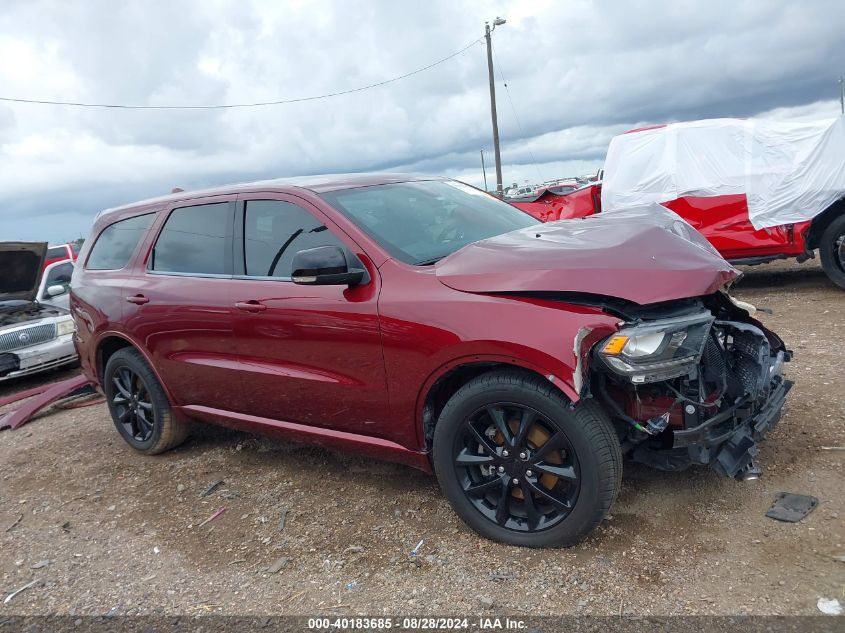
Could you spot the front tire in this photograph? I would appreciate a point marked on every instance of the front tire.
(832, 251)
(519, 465)
(139, 406)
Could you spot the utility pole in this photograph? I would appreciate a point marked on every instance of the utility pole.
(487, 31)
(842, 93)
(484, 169)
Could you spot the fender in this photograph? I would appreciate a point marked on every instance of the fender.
(565, 383)
(134, 343)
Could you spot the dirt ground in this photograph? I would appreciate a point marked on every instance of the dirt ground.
(123, 533)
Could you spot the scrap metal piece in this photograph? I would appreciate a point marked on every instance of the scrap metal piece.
(56, 391)
(791, 507)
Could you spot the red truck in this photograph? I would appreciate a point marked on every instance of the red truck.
(60, 253)
(757, 190)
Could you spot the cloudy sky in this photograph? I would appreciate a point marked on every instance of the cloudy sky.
(577, 72)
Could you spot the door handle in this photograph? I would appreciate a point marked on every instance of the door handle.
(138, 299)
(250, 306)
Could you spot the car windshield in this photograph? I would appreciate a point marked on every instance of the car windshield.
(420, 222)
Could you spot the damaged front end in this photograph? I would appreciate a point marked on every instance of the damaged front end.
(692, 382)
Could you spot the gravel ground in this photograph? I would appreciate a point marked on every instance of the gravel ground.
(124, 534)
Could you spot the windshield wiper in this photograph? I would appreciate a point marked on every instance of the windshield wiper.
(429, 262)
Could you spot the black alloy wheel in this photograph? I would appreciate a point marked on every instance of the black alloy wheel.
(521, 465)
(133, 404)
(516, 468)
(139, 406)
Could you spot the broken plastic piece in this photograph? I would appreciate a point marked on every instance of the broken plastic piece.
(830, 606)
(24, 588)
(212, 488)
(213, 516)
(791, 508)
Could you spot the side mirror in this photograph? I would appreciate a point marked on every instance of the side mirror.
(56, 290)
(325, 266)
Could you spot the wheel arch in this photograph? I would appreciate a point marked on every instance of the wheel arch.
(819, 224)
(112, 342)
(449, 378)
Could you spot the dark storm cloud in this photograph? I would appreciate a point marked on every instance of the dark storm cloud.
(577, 73)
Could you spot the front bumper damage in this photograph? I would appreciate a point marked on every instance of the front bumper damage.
(726, 400)
(727, 442)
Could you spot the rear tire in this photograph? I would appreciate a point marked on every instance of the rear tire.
(832, 251)
(139, 406)
(492, 466)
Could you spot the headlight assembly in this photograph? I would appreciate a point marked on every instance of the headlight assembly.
(657, 350)
(65, 326)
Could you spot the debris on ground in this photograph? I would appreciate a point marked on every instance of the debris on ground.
(282, 517)
(40, 564)
(840, 558)
(486, 602)
(416, 550)
(18, 520)
(277, 566)
(354, 549)
(218, 513)
(211, 488)
(56, 391)
(830, 606)
(16, 592)
(791, 507)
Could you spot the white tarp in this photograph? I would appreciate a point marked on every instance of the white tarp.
(790, 172)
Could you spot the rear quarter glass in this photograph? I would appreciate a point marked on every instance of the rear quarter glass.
(117, 242)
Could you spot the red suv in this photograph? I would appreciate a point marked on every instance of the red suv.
(423, 321)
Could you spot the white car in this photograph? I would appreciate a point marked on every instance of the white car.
(36, 329)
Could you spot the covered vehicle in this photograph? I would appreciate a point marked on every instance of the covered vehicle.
(424, 321)
(36, 329)
(757, 190)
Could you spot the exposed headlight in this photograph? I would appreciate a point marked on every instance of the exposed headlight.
(657, 350)
(66, 326)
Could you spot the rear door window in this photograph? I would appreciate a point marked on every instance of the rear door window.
(195, 240)
(274, 231)
(117, 242)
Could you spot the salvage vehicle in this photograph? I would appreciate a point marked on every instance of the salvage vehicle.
(423, 321)
(36, 331)
(54, 289)
(60, 253)
(757, 190)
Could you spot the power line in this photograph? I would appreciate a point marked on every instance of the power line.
(515, 115)
(241, 105)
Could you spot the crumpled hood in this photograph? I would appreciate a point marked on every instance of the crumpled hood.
(645, 255)
(21, 264)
